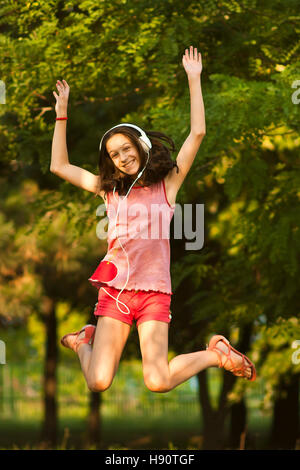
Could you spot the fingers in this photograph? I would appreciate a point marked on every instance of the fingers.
(195, 52)
(59, 86)
(63, 89)
(192, 54)
(62, 85)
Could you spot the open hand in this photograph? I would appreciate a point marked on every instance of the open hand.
(63, 97)
(192, 61)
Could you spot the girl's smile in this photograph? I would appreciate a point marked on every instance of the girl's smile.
(128, 164)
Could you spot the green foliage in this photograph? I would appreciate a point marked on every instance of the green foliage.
(122, 60)
(273, 353)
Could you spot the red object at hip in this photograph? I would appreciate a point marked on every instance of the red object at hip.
(105, 272)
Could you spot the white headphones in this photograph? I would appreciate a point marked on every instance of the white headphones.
(147, 145)
(143, 137)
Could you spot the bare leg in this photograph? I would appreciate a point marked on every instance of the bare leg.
(100, 362)
(161, 375)
(185, 366)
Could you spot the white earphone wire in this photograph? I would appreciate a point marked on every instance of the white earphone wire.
(121, 200)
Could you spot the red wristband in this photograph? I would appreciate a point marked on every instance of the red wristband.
(60, 119)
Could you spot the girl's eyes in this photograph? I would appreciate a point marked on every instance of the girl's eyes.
(126, 148)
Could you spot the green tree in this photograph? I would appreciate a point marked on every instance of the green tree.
(43, 266)
(122, 61)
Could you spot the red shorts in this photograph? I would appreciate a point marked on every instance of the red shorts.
(142, 305)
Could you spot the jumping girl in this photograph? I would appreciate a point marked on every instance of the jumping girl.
(133, 279)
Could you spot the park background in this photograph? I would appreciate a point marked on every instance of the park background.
(122, 61)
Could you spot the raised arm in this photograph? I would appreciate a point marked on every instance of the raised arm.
(192, 64)
(60, 164)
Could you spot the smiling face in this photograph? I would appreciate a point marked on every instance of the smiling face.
(123, 153)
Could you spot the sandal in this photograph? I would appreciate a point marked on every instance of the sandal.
(238, 371)
(88, 337)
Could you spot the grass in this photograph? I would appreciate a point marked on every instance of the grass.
(130, 432)
(132, 417)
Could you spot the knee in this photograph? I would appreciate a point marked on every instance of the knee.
(157, 383)
(99, 384)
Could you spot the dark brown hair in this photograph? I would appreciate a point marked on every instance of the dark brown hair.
(158, 166)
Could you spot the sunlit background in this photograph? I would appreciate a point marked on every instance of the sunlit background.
(122, 60)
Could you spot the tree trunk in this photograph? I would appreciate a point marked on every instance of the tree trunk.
(94, 419)
(238, 422)
(285, 427)
(49, 429)
(238, 411)
(213, 419)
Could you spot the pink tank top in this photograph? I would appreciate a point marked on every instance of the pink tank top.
(143, 227)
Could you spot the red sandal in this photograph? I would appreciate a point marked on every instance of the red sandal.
(238, 371)
(88, 337)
